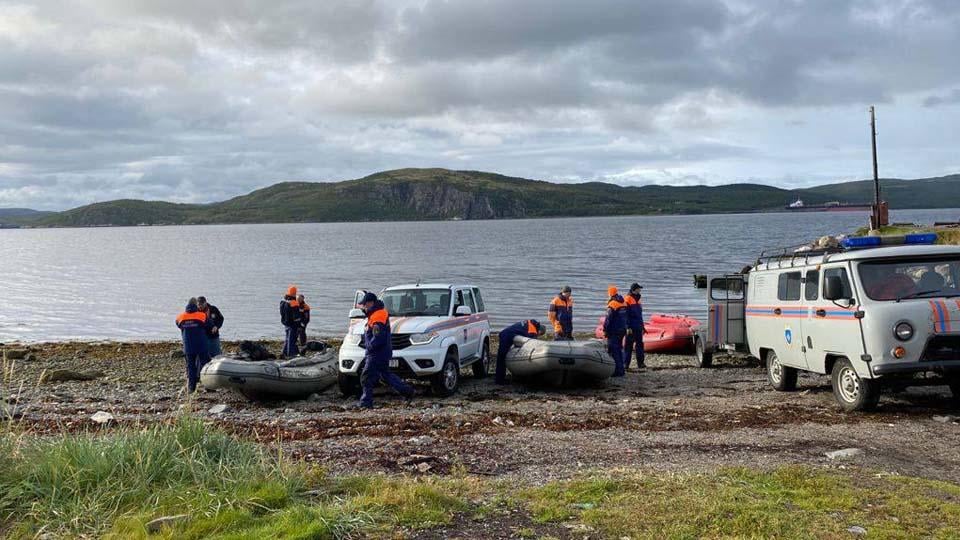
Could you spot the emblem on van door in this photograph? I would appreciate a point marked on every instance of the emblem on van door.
(788, 335)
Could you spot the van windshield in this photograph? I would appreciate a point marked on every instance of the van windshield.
(900, 279)
(417, 302)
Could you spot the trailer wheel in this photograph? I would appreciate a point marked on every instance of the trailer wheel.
(852, 392)
(954, 383)
(349, 385)
(781, 377)
(704, 358)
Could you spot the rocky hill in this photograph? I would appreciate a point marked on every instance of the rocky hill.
(438, 194)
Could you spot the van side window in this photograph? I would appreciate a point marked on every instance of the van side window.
(811, 287)
(469, 303)
(842, 274)
(788, 286)
(726, 289)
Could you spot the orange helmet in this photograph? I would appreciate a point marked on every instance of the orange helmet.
(292, 291)
(611, 290)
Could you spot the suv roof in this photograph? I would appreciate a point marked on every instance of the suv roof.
(430, 286)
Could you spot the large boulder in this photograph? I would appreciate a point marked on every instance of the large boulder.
(15, 354)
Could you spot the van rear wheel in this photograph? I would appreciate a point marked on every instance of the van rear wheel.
(852, 392)
(781, 377)
(445, 383)
(704, 358)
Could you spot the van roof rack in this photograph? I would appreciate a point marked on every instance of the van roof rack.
(791, 252)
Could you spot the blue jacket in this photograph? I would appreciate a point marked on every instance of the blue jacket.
(634, 311)
(193, 325)
(289, 312)
(526, 328)
(376, 337)
(616, 321)
(560, 314)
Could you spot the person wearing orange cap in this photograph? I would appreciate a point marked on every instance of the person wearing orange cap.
(615, 328)
(634, 328)
(290, 319)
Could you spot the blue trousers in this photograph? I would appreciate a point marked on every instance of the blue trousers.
(634, 342)
(290, 344)
(615, 348)
(378, 370)
(195, 363)
(213, 346)
(506, 343)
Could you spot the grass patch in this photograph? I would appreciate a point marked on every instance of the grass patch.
(791, 502)
(111, 485)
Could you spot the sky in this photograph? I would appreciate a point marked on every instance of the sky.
(202, 100)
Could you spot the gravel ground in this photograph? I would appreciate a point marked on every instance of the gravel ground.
(671, 416)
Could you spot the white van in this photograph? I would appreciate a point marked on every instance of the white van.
(875, 311)
(436, 329)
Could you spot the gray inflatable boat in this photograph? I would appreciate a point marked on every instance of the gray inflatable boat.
(296, 378)
(560, 362)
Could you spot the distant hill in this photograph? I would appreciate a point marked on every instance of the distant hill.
(436, 194)
(16, 216)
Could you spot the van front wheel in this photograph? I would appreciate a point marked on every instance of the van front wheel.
(781, 377)
(852, 392)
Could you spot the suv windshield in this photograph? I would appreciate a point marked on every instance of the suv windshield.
(899, 279)
(417, 302)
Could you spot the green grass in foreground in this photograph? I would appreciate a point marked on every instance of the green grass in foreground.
(111, 485)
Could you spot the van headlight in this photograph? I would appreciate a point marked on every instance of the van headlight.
(423, 339)
(903, 331)
(352, 340)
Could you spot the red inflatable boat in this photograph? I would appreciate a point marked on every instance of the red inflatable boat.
(664, 333)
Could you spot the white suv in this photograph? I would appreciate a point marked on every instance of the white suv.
(436, 330)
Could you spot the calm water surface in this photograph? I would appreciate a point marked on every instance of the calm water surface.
(130, 283)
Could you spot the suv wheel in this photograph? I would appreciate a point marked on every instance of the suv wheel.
(852, 392)
(481, 368)
(781, 377)
(704, 358)
(349, 385)
(445, 383)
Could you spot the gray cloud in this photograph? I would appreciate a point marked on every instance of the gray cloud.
(198, 101)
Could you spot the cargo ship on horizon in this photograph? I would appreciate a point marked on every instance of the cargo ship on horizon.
(832, 206)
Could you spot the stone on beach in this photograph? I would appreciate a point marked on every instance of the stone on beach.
(846, 453)
(63, 375)
(101, 417)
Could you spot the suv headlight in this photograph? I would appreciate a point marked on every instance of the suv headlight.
(352, 339)
(903, 331)
(423, 339)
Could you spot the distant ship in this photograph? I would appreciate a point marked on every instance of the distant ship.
(832, 206)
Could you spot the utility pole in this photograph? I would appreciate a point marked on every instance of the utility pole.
(877, 217)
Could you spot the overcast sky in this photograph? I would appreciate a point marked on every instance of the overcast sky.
(200, 100)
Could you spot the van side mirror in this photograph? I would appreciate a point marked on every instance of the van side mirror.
(833, 288)
(462, 311)
(357, 314)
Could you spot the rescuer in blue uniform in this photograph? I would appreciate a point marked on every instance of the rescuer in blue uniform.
(530, 328)
(614, 328)
(290, 319)
(634, 339)
(193, 325)
(560, 314)
(379, 350)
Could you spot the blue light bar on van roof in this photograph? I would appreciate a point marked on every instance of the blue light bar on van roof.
(863, 242)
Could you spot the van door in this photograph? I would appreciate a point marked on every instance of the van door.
(789, 314)
(474, 327)
(461, 332)
(829, 328)
(725, 306)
